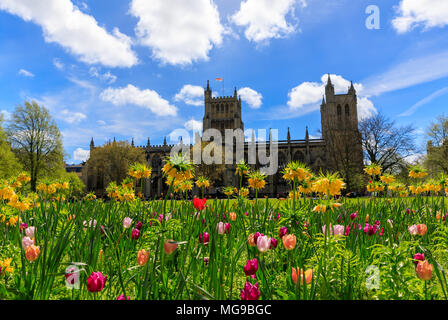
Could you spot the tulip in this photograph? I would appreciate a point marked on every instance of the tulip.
(421, 229)
(336, 230)
(308, 276)
(354, 215)
(263, 243)
(72, 276)
(256, 236)
(206, 260)
(30, 231)
(96, 282)
(199, 204)
(232, 216)
(170, 246)
(424, 270)
(251, 240)
(370, 229)
(127, 222)
(282, 232)
(274, 243)
(204, 238)
(227, 227)
(135, 234)
(123, 298)
(250, 292)
(23, 226)
(139, 225)
(26, 242)
(289, 241)
(251, 267)
(32, 253)
(142, 257)
(220, 227)
(90, 224)
(418, 257)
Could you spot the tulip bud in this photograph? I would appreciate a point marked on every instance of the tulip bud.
(204, 238)
(251, 240)
(418, 257)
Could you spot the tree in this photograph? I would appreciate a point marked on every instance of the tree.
(386, 144)
(111, 162)
(36, 141)
(437, 149)
(9, 165)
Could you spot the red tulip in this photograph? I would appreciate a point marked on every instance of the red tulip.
(418, 257)
(135, 234)
(204, 238)
(199, 204)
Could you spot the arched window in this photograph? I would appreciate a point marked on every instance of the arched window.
(347, 110)
(339, 111)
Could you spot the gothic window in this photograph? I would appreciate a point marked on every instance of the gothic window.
(347, 110)
(339, 111)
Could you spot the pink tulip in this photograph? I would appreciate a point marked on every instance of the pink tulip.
(30, 231)
(127, 222)
(26, 242)
(96, 282)
(418, 257)
(282, 232)
(263, 243)
(220, 227)
(250, 292)
(274, 243)
(204, 238)
(251, 267)
(123, 298)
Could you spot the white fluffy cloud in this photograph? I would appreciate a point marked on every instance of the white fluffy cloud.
(193, 125)
(79, 33)
(72, 117)
(147, 98)
(81, 154)
(26, 73)
(192, 95)
(414, 13)
(265, 19)
(307, 96)
(178, 31)
(251, 97)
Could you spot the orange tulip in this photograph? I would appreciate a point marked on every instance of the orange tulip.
(143, 257)
(424, 270)
(289, 241)
(232, 216)
(421, 229)
(251, 240)
(32, 253)
(170, 246)
(308, 275)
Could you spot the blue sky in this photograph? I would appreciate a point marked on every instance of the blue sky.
(135, 68)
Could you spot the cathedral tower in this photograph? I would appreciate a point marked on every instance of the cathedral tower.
(339, 120)
(222, 112)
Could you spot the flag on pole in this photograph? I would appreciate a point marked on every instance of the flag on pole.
(218, 79)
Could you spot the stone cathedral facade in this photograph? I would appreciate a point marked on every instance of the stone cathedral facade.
(339, 148)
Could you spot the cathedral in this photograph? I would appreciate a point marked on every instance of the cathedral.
(339, 148)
